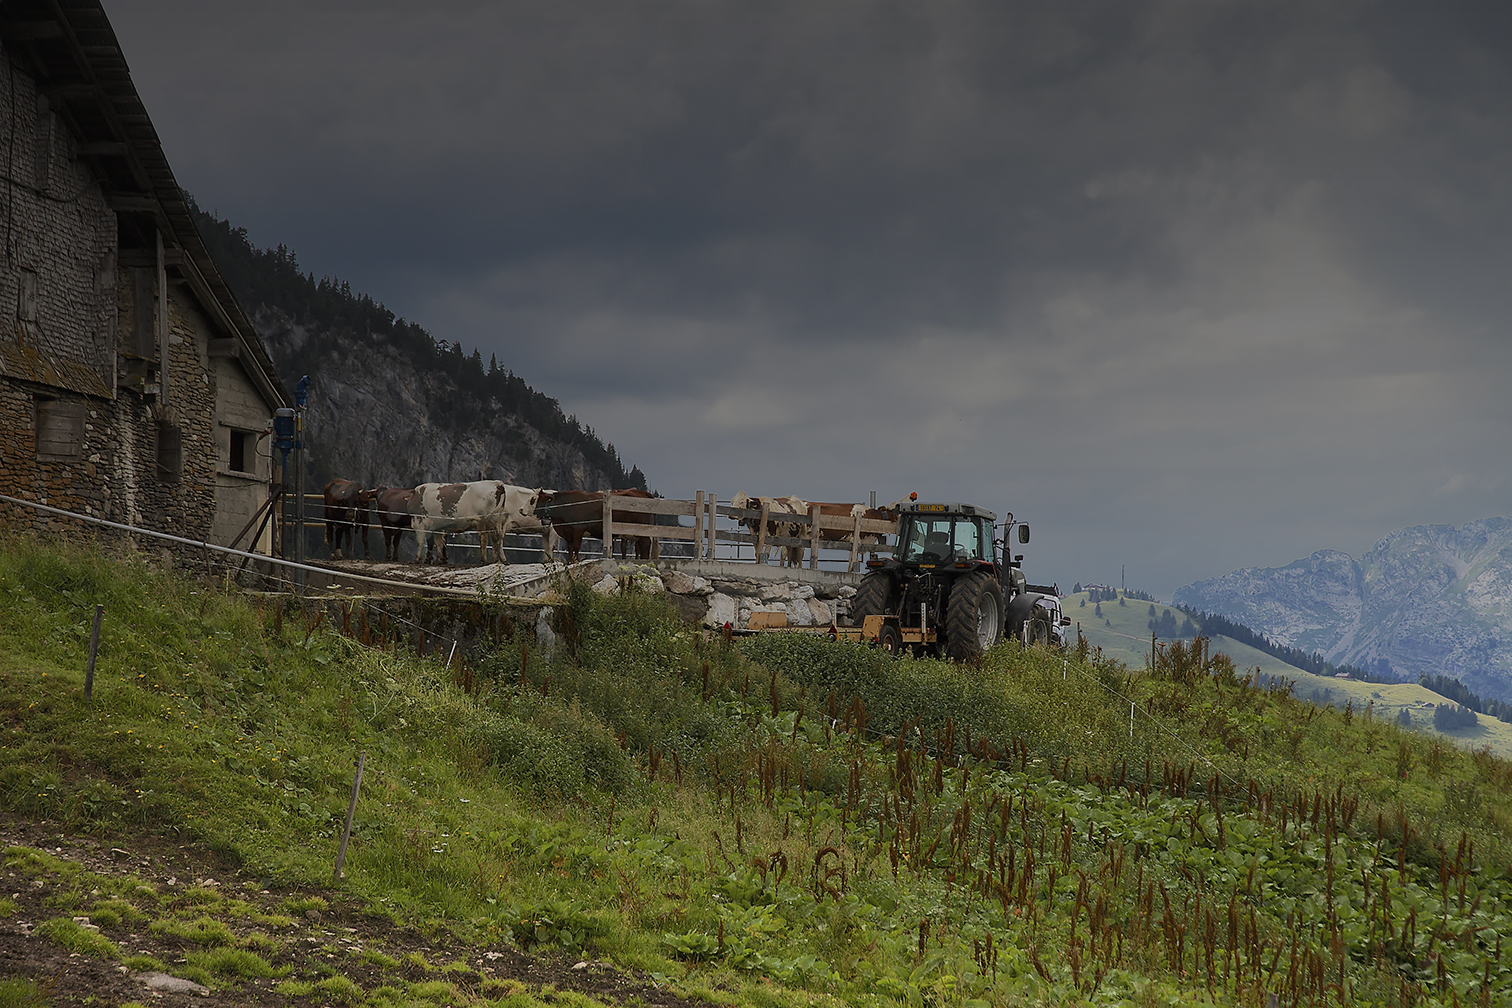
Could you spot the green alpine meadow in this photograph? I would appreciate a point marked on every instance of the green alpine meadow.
(771, 820)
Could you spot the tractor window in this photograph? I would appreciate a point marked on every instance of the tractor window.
(943, 540)
(968, 541)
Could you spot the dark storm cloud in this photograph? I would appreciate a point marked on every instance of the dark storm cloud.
(1238, 267)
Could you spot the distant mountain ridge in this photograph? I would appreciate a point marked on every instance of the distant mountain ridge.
(1426, 600)
(391, 405)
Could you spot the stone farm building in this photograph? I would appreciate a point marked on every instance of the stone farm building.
(132, 386)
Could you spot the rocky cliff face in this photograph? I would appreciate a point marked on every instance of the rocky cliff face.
(374, 417)
(1425, 600)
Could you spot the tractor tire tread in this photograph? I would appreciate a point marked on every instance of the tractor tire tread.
(961, 614)
(874, 597)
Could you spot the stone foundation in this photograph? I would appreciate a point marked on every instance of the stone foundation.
(713, 593)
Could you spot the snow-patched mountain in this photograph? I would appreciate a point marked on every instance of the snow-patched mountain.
(1428, 599)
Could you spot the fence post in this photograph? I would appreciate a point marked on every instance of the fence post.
(94, 648)
(608, 526)
(698, 525)
(346, 831)
(855, 541)
(761, 531)
(813, 537)
(713, 515)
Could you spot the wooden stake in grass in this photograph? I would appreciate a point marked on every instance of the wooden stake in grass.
(94, 648)
(346, 831)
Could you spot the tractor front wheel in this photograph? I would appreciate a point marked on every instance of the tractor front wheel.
(973, 617)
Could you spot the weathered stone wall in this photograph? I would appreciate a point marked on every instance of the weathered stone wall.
(69, 343)
(138, 493)
(57, 304)
(714, 593)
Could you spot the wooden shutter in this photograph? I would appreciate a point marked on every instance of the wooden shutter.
(60, 428)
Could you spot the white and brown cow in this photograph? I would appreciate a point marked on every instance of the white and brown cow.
(522, 517)
(492, 507)
(791, 556)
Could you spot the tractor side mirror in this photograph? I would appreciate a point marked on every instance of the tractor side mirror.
(1065, 621)
(1023, 533)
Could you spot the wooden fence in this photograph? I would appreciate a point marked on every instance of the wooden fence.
(704, 532)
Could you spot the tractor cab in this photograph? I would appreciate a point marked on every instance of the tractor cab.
(937, 535)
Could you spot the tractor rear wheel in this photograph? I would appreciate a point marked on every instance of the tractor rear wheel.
(876, 595)
(973, 617)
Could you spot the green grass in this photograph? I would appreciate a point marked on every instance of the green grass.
(18, 992)
(76, 937)
(780, 821)
(1126, 638)
(233, 963)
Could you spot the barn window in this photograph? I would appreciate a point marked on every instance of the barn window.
(60, 428)
(243, 451)
(170, 452)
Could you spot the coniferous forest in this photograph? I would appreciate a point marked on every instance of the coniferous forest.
(273, 279)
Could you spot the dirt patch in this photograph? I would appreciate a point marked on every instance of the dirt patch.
(339, 940)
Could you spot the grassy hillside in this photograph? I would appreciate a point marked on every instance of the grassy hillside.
(1123, 634)
(776, 821)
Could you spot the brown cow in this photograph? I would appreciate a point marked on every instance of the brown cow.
(394, 517)
(579, 514)
(344, 500)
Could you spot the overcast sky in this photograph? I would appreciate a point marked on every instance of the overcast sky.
(1190, 286)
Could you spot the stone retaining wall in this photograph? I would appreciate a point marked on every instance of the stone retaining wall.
(715, 593)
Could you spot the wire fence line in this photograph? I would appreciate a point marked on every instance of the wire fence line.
(228, 551)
